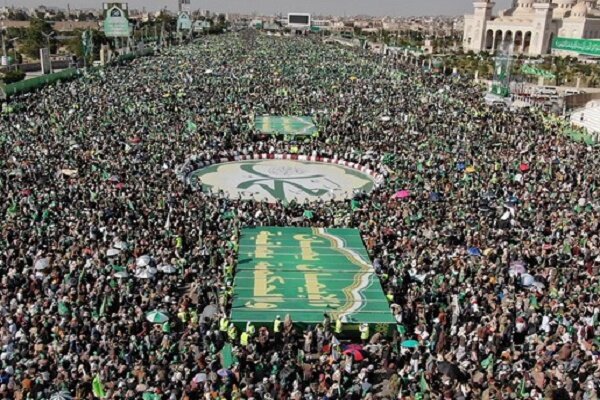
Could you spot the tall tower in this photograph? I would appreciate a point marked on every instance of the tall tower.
(543, 35)
(482, 14)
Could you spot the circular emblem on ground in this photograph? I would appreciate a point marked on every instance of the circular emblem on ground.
(283, 180)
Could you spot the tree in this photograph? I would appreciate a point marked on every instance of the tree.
(18, 15)
(75, 44)
(13, 76)
(34, 37)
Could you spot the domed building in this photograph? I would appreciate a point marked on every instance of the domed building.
(529, 26)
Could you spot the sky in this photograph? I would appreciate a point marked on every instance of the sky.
(328, 7)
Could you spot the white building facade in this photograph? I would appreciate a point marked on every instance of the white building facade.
(529, 26)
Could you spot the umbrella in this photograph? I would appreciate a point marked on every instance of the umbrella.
(223, 373)
(527, 280)
(42, 263)
(524, 167)
(152, 270)
(142, 261)
(200, 377)
(62, 395)
(209, 311)
(145, 274)
(357, 354)
(435, 196)
(474, 251)
(167, 269)
(516, 268)
(470, 169)
(112, 252)
(401, 194)
(539, 285)
(121, 274)
(451, 371)
(157, 317)
(410, 344)
(120, 245)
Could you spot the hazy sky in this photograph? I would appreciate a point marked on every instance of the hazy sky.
(333, 7)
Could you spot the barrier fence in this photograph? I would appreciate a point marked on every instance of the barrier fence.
(38, 82)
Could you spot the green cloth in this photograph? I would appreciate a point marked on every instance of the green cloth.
(423, 386)
(227, 356)
(98, 387)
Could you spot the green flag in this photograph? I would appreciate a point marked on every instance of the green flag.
(102, 307)
(423, 384)
(488, 362)
(98, 387)
(228, 215)
(522, 392)
(191, 126)
(63, 308)
(12, 210)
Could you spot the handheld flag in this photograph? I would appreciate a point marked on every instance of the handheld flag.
(98, 387)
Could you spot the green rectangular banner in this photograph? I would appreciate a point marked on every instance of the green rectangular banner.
(582, 46)
(306, 273)
(289, 126)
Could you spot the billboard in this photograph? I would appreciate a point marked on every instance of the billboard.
(589, 47)
(299, 20)
(200, 26)
(116, 22)
(184, 22)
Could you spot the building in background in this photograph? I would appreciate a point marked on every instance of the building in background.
(529, 26)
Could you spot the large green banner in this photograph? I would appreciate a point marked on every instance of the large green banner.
(184, 22)
(116, 20)
(282, 125)
(582, 46)
(530, 70)
(306, 273)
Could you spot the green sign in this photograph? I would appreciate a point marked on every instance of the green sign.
(530, 70)
(184, 22)
(582, 46)
(291, 126)
(306, 273)
(501, 82)
(116, 22)
(201, 26)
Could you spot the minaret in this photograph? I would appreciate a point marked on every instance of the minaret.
(540, 43)
(482, 14)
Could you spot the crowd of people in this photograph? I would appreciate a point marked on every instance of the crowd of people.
(114, 271)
